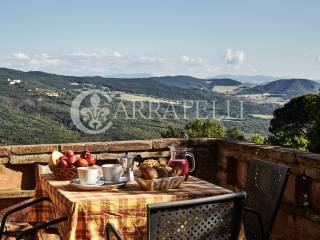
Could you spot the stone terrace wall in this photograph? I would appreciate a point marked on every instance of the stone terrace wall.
(18, 164)
(299, 214)
(220, 161)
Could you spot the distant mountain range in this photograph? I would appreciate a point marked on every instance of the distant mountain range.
(249, 78)
(286, 87)
(129, 75)
(241, 78)
(223, 82)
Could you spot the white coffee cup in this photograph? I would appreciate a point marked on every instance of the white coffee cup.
(112, 172)
(88, 175)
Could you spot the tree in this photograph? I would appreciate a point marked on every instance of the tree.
(259, 139)
(293, 141)
(234, 133)
(315, 137)
(297, 123)
(173, 131)
(194, 129)
(206, 128)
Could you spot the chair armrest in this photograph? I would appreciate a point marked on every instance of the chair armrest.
(22, 206)
(258, 215)
(33, 230)
(110, 230)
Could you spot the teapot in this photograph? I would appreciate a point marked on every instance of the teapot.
(179, 158)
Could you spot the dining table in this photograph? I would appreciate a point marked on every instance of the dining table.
(88, 212)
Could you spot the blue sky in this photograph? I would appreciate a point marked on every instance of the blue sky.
(167, 37)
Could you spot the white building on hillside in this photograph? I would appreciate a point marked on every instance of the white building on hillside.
(14, 81)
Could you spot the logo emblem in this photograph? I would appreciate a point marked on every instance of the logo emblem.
(89, 112)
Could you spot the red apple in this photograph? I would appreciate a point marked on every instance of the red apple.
(63, 164)
(91, 160)
(72, 159)
(69, 153)
(81, 163)
(85, 154)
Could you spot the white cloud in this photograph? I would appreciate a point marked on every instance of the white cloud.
(318, 59)
(152, 60)
(117, 54)
(234, 57)
(41, 56)
(104, 63)
(185, 58)
(82, 55)
(20, 56)
(253, 69)
(198, 60)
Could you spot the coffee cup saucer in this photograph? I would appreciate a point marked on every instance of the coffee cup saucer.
(100, 185)
(77, 182)
(121, 181)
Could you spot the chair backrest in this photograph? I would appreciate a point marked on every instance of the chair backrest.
(264, 187)
(217, 217)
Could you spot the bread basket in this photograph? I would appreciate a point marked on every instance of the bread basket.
(160, 183)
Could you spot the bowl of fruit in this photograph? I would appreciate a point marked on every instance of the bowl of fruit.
(64, 165)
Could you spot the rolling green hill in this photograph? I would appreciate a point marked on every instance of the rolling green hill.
(223, 82)
(288, 88)
(37, 110)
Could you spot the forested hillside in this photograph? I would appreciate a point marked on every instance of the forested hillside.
(288, 88)
(37, 109)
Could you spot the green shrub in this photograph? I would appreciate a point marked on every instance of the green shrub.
(299, 142)
(195, 129)
(258, 139)
(173, 131)
(234, 133)
(207, 128)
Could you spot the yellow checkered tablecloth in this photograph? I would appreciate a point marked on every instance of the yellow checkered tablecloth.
(125, 208)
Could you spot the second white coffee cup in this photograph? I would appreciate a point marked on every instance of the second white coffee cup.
(112, 172)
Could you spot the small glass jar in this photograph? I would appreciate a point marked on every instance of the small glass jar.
(127, 162)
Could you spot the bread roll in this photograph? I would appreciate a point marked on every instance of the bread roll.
(148, 172)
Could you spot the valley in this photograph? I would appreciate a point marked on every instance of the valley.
(39, 105)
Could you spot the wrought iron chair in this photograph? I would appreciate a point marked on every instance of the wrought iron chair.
(33, 230)
(264, 187)
(217, 217)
